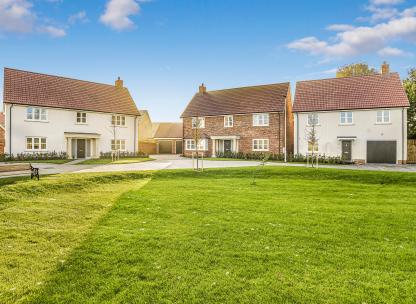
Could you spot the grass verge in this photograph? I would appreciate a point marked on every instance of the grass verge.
(105, 161)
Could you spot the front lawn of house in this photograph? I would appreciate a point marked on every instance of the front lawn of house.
(106, 161)
(297, 235)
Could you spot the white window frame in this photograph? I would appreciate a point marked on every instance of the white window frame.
(39, 140)
(118, 120)
(260, 144)
(82, 118)
(190, 145)
(41, 112)
(228, 121)
(382, 115)
(313, 117)
(346, 122)
(201, 122)
(118, 145)
(261, 120)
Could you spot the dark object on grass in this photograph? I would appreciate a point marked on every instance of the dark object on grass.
(263, 162)
(34, 172)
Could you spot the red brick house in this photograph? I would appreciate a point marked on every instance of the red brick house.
(248, 120)
(2, 133)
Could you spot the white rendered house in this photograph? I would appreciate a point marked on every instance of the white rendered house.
(361, 119)
(45, 113)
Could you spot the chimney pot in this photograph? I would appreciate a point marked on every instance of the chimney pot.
(385, 68)
(202, 89)
(119, 83)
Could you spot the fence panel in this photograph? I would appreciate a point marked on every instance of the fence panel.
(411, 151)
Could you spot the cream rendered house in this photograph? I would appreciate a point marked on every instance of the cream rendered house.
(45, 113)
(361, 119)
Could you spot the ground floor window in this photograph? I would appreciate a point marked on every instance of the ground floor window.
(190, 145)
(260, 145)
(118, 144)
(36, 143)
(312, 147)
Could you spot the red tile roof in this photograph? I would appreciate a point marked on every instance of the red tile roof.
(169, 130)
(28, 88)
(2, 119)
(245, 100)
(361, 92)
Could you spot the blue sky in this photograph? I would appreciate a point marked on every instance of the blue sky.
(163, 49)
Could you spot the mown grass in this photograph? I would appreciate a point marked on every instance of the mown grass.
(42, 222)
(105, 161)
(297, 236)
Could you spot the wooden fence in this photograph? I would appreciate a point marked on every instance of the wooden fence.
(411, 151)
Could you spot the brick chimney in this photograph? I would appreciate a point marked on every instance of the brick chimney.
(119, 83)
(385, 68)
(202, 89)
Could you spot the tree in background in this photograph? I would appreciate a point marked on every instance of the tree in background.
(410, 88)
(355, 69)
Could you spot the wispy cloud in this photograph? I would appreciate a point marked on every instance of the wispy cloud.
(118, 14)
(52, 31)
(78, 17)
(16, 16)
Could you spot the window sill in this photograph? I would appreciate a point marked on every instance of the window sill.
(32, 120)
(346, 124)
(82, 123)
(261, 125)
(228, 126)
(36, 151)
(112, 126)
(383, 123)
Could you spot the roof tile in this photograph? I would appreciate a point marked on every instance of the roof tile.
(28, 88)
(361, 92)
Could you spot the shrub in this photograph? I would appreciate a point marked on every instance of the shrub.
(122, 154)
(33, 156)
(323, 159)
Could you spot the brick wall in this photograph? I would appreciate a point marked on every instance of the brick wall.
(243, 127)
(2, 140)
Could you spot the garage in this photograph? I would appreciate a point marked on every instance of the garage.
(381, 151)
(165, 147)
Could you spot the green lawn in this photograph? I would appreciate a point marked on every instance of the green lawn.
(105, 161)
(297, 235)
(40, 161)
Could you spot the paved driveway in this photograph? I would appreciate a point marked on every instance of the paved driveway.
(162, 162)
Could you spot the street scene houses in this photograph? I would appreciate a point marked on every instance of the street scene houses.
(46, 113)
(239, 120)
(362, 119)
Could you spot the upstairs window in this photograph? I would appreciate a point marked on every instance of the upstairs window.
(261, 120)
(346, 118)
(81, 117)
(198, 122)
(383, 116)
(313, 119)
(228, 121)
(118, 120)
(36, 114)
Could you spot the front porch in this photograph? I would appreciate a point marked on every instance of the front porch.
(82, 145)
(225, 144)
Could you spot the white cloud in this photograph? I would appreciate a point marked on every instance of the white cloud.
(386, 2)
(390, 51)
(16, 16)
(361, 40)
(52, 31)
(339, 27)
(118, 12)
(80, 16)
(381, 13)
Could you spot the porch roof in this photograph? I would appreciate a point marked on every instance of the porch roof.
(225, 137)
(81, 135)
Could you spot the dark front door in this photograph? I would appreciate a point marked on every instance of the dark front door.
(80, 148)
(346, 150)
(178, 147)
(227, 146)
(381, 151)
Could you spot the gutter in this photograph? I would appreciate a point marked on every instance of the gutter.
(403, 139)
(285, 130)
(297, 133)
(10, 129)
(136, 141)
